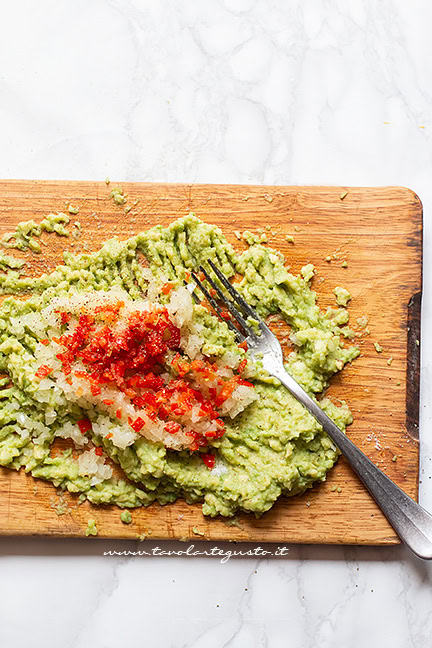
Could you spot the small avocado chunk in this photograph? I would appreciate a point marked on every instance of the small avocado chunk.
(126, 517)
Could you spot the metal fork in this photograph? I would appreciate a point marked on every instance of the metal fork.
(411, 521)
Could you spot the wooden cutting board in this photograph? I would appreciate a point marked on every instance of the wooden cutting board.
(377, 231)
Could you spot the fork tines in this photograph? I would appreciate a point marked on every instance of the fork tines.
(239, 316)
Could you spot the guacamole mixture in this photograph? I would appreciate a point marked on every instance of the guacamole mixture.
(193, 416)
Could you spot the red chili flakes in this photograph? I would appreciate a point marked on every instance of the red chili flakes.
(43, 371)
(99, 451)
(209, 459)
(84, 425)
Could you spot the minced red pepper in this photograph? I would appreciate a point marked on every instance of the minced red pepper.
(138, 424)
(172, 427)
(65, 317)
(166, 288)
(242, 365)
(84, 425)
(209, 459)
(43, 371)
(131, 358)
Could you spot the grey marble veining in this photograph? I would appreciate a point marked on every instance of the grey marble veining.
(220, 91)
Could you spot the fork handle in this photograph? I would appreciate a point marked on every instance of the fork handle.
(412, 522)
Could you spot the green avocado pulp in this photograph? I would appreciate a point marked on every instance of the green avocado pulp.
(274, 447)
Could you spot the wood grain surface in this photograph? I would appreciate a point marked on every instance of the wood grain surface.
(377, 231)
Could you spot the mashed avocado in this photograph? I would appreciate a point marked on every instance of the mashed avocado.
(342, 296)
(91, 528)
(274, 447)
(24, 237)
(126, 517)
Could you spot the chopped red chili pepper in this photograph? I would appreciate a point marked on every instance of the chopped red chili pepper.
(242, 365)
(84, 425)
(65, 317)
(111, 355)
(166, 288)
(45, 341)
(240, 381)
(243, 345)
(209, 459)
(81, 374)
(138, 424)
(172, 427)
(99, 451)
(131, 358)
(95, 390)
(43, 371)
(110, 312)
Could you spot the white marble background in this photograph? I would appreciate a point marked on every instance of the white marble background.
(262, 91)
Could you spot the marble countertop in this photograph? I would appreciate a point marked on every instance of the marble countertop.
(238, 91)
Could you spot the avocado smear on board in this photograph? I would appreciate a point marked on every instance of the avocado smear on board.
(274, 447)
